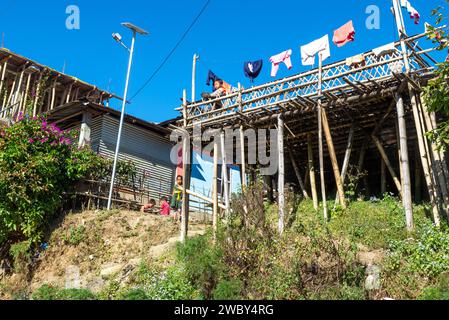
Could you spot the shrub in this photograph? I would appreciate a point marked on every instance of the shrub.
(21, 255)
(75, 235)
(47, 292)
(38, 162)
(228, 290)
(439, 291)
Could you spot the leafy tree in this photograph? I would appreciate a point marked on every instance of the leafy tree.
(38, 162)
(436, 93)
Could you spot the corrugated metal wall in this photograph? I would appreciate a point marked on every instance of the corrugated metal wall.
(149, 151)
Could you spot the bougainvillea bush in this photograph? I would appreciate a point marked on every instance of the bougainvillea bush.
(38, 162)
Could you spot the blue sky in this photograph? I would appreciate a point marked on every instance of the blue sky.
(229, 33)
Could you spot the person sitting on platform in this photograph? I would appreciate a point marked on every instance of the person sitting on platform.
(219, 90)
(149, 207)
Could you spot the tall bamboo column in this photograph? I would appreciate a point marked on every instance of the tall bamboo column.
(281, 179)
(312, 172)
(406, 187)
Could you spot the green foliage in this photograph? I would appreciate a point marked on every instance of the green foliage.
(75, 235)
(439, 291)
(426, 254)
(38, 162)
(153, 283)
(21, 255)
(228, 290)
(436, 93)
(203, 262)
(47, 292)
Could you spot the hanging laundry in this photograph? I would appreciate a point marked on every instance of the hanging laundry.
(309, 51)
(284, 57)
(211, 77)
(356, 61)
(252, 69)
(414, 14)
(396, 67)
(386, 49)
(344, 34)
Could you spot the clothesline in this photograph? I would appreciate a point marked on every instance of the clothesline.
(341, 36)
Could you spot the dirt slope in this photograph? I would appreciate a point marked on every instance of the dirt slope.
(91, 248)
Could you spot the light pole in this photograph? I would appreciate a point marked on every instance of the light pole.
(118, 38)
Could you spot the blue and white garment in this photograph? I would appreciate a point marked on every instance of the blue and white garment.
(252, 69)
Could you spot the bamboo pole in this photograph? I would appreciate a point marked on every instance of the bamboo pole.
(425, 162)
(348, 152)
(2, 80)
(186, 166)
(333, 156)
(383, 178)
(224, 167)
(437, 164)
(387, 163)
(281, 178)
(406, 187)
(320, 137)
(195, 59)
(242, 154)
(215, 192)
(25, 98)
(38, 92)
(417, 177)
(298, 174)
(312, 172)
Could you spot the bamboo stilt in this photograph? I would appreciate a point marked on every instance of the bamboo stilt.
(387, 163)
(298, 175)
(215, 192)
(186, 172)
(242, 154)
(281, 173)
(312, 172)
(348, 152)
(406, 187)
(333, 156)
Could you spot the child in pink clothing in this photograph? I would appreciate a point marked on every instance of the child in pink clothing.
(165, 207)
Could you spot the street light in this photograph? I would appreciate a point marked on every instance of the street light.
(118, 38)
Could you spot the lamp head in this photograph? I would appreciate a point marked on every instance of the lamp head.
(117, 37)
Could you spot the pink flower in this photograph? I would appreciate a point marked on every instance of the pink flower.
(30, 140)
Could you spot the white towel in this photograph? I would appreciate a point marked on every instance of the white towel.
(309, 51)
(388, 48)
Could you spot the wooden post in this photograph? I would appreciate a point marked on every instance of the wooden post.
(383, 178)
(320, 138)
(215, 192)
(406, 187)
(387, 163)
(348, 152)
(53, 94)
(281, 178)
(242, 154)
(224, 166)
(312, 172)
(17, 94)
(186, 171)
(333, 156)
(2, 80)
(298, 174)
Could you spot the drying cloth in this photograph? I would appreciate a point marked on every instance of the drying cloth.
(344, 34)
(414, 14)
(356, 61)
(388, 48)
(309, 51)
(284, 57)
(211, 77)
(252, 69)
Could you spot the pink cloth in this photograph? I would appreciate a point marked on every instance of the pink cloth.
(414, 14)
(165, 209)
(284, 57)
(344, 34)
